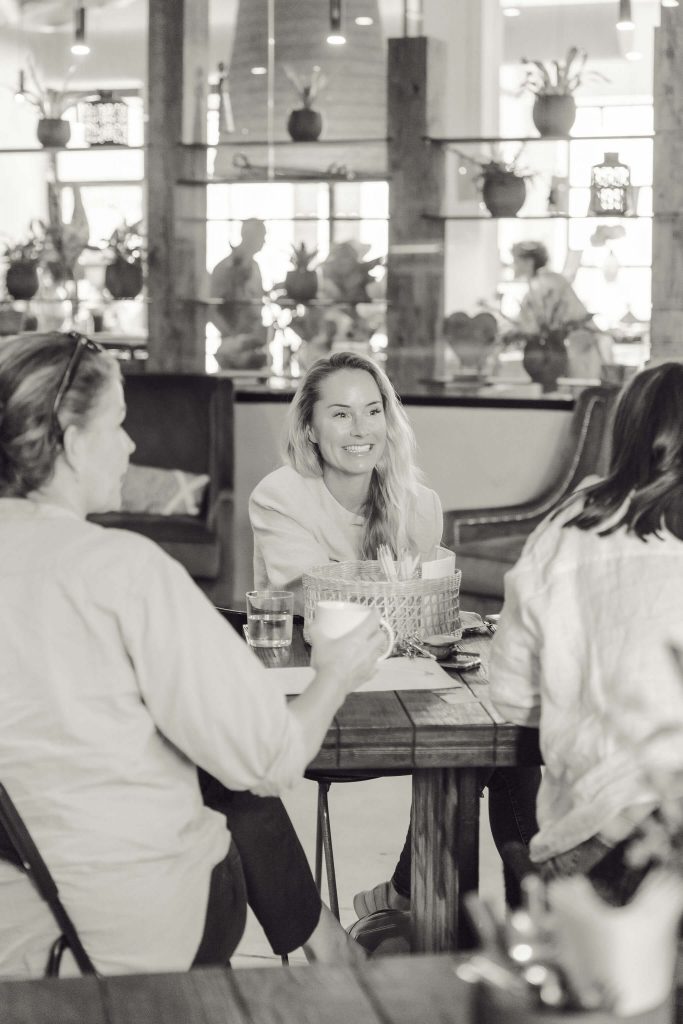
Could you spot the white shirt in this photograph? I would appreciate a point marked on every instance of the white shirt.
(298, 523)
(581, 651)
(117, 678)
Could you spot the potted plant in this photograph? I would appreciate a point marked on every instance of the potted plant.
(21, 279)
(304, 123)
(301, 283)
(51, 104)
(553, 85)
(123, 277)
(501, 180)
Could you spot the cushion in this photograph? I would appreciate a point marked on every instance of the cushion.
(484, 563)
(166, 492)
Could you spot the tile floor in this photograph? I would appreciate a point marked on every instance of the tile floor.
(369, 821)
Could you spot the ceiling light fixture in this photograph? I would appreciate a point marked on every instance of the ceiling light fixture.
(259, 70)
(364, 21)
(336, 36)
(79, 47)
(625, 19)
(669, 3)
(511, 12)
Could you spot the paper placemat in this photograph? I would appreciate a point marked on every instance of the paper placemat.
(392, 674)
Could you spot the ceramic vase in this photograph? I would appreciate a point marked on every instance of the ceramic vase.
(554, 114)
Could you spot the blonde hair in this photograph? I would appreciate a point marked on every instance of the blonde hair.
(395, 477)
(31, 369)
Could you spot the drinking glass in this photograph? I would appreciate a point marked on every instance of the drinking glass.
(269, 617)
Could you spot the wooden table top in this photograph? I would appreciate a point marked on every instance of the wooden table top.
(394, 990)
(418, 729)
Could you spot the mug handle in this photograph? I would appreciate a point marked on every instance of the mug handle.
(391, 638)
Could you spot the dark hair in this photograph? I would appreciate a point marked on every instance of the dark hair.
(534, 251)
(646, 465)
(31, 369)
(394, 479)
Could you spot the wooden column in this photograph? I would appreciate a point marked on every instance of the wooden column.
(416, 242)
(667, 228)
(176, 101)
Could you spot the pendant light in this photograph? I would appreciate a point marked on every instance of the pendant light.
(79, 47)
(625, 19)
(336, 36)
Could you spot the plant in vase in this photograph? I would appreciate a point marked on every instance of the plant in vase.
(23, 258)
(51, 104)
(501, 180)
(553, 85)
(301, 283)
(304, 123)
(123, 276)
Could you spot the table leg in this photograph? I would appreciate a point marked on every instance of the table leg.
(445, 856)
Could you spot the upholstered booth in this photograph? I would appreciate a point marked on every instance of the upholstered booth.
(488, 541)
(182, 422)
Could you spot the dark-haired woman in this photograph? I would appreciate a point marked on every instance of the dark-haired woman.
(118, 679)
(351, 484)
(581, 649)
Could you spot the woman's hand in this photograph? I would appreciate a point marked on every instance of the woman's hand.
(351, 659)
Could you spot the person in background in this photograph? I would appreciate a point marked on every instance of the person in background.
(581, 646)
(351, 484)
(118, 679)
(239, 318)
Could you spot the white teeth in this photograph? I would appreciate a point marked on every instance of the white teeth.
(357, 449)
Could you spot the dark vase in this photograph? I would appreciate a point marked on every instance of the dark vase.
(53, 131)
(504, 193)
(554, 114)
(301, 285)
(305, 125)
(545, 359)
(22, 279)
(122, 279)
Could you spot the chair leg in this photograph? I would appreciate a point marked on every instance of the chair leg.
(319, 841)
(324, 821)
(285, 960)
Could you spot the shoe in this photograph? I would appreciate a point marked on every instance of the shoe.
(383, 933)
(382, 897)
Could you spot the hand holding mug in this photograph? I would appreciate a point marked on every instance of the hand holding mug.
(346, 638)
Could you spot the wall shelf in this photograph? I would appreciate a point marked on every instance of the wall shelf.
(492, 141)
(67, 149)
(601, 218)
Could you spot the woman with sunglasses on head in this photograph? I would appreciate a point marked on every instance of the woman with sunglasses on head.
(350, 484)
(117, 679)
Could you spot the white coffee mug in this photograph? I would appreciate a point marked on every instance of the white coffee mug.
(336, 618)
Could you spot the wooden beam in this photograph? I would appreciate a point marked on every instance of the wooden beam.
(176, 101)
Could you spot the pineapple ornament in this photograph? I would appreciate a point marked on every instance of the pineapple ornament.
(301, 283)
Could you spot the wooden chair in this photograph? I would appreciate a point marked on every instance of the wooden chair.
(488, 541)
(18, 847)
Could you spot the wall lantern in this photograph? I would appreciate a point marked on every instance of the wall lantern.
(610, 187)
(105, 120)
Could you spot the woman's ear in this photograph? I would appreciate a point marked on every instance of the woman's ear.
(72, 447)
(310, 435)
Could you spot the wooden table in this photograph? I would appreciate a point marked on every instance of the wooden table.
(442, 738)
(396, 990)
(390, 990)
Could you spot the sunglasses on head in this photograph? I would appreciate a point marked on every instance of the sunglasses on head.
(81, 345)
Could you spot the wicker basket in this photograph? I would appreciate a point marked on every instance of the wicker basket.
(414, 608)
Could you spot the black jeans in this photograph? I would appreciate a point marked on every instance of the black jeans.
(226, 913)
(280, 887)
(512, 816)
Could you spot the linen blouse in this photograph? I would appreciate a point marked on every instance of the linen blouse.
(581, 652)
(297, 524)
(118, 678)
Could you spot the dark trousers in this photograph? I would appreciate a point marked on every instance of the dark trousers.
(512, 816)
(226, 913)
(279, 885)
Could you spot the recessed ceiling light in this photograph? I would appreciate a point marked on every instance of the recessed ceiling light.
(633, 55)
(669, 3)
(336, 40)
(363, 20)
(511, 12)
(259, 70)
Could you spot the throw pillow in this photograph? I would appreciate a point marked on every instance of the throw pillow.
(166, 492)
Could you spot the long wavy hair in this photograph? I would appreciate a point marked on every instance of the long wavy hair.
(395, 477)
(31, 369)
(646, 465)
